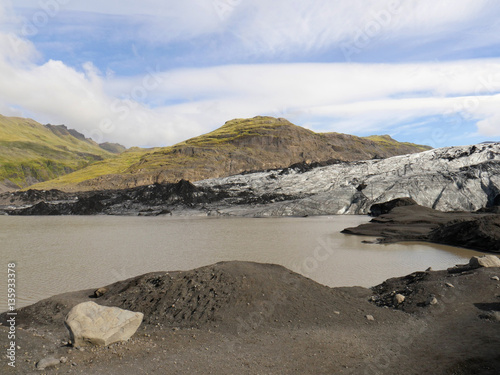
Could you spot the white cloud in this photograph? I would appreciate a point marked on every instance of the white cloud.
(349, 97)
(490, 127)
(158, 108)
(262, 27)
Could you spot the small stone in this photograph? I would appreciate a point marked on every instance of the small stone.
(336, 312)
(100, 292)
(369, 317)
(449, 285)
(428, 269)
(46, 363)
(398, 299)
(432, 300)
(63, 359)
(496, 278)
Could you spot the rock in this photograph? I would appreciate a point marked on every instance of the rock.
(99, 292)
(428, 269)
(63, 359)
(459, 268)
(496, 278)
(484, 261)
(398, 299)
(46, 363)
(496, 315)
(369, 317)
(449, 285)
(90, 323)
(491, 315)
(432, 300)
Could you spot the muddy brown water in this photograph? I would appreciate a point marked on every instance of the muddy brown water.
(66, 253)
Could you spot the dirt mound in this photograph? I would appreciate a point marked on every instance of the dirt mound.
(407, 221)
(383, 208)
(482, 233)
(227, 292)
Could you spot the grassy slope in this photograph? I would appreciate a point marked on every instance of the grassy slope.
(387, 141)
(28, 150)
(137, 160)
(205, 151)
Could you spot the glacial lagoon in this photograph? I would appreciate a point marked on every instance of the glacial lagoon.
(65, 253)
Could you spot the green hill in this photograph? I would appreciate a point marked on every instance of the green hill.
(31, 152)
(239, 145)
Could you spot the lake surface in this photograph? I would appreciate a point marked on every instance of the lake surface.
(56, 254)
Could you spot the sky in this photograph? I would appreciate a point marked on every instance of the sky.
(153, 73)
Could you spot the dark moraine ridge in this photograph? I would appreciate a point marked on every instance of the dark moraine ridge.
(404, 220)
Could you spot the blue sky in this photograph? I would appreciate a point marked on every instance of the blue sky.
(154, 73)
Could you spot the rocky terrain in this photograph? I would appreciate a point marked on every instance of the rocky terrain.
(238, 146)
(249, 318)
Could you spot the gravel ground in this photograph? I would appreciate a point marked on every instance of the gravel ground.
(250, 318)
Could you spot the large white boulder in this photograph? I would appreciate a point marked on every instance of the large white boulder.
(484, 261)
(91, 324)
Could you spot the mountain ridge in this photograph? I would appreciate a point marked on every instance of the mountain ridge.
(238, 146)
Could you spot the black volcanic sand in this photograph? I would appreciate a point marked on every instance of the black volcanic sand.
(404, 220)
(249, 318)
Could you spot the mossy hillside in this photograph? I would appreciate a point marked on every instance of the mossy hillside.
(226, 141)
(117, 165)
(30, 151)
(239, 145)
(388, 142)
(238, 129)
(181, 155)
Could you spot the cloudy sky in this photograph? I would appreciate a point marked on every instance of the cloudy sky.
(153, 73)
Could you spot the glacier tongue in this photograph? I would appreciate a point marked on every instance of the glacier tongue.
(463, 178)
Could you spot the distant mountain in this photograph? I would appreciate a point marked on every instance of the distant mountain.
(31, 152)
(239, 145)
(114, 148)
